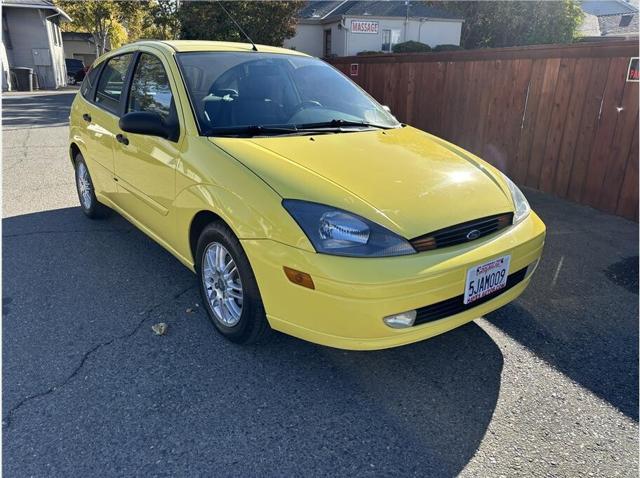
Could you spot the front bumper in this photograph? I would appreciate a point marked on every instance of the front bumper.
(352, 295)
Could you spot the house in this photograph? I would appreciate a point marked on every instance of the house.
(609, 18)
(81, 46)
(344, 28)
(31, 38)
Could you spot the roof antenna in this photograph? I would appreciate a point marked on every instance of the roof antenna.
(236, 24)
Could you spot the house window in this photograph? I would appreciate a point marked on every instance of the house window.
(386, 40)
(6, 38)
(53, 32)
(327, 42)
(625, 20)
(389, 38)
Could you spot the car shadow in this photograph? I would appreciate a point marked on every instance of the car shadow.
(36, 110)
(580, 313)
(286, 406)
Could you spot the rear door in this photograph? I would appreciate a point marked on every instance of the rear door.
(98, 111)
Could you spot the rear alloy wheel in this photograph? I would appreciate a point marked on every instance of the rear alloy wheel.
(86, 192)
(228, 287)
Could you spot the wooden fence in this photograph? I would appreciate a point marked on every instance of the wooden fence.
(559, 118)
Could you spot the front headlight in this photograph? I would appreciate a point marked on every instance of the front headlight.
(341, 233)
(519, 201)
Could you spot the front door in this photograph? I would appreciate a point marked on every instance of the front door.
(327, 43)
(145, 165)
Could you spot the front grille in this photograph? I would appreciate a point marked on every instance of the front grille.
(463, 232)
(456, 304)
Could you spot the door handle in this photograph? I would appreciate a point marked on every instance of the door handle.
(86, 117)
(122, 139)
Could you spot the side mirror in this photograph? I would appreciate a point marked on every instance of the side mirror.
(148, 123)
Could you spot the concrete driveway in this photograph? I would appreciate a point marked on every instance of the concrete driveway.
(547, 386)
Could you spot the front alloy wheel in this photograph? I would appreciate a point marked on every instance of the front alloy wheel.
(228, 287)
(222, 284)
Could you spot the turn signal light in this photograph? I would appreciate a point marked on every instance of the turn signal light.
(300, 278)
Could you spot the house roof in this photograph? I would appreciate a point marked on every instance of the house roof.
(41, 4)
(318, 9)
(608, 7)
(322, 10)
(610, 17)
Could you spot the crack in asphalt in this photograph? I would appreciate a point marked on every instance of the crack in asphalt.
(6, 422)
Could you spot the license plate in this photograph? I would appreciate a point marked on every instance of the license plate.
(484, 279)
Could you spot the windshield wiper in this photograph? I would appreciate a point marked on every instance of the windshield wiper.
(338, 123)
(335, 125)
(251, 130)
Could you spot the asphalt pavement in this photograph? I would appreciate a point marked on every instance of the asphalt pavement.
(547, 386)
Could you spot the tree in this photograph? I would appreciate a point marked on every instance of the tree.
(105, 19)
(161, 20)
(515, 23)
(265, 22)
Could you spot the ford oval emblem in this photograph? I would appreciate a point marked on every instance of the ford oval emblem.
(473, 234)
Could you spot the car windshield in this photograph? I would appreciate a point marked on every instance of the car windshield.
(269, 93)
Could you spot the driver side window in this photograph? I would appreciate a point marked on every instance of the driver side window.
(150, 89)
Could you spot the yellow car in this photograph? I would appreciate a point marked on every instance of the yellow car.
(301, 203)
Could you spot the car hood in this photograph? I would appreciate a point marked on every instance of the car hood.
(404, 179)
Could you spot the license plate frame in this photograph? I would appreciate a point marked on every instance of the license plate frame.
(486, 278)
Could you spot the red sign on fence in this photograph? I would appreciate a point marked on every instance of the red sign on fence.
(632, 73)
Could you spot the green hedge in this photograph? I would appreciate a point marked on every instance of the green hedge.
(410, 47)
(447, 48)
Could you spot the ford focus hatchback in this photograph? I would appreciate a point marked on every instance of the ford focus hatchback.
(301, 204)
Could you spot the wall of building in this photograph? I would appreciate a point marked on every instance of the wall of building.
(310, 38)
(57, 52)
(339, 40)
(434, 32)
(358, 42)
(32, 45)
(431, 32)
(80, 49)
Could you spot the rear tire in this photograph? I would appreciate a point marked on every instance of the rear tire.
(228, 286)
(86, 192)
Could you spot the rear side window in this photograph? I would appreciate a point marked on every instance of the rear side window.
(150, 90)
(111, 84)
(89, 82)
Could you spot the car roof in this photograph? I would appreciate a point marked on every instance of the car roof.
(201, 45)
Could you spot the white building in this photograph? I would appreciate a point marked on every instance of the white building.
(344, 28)
(31, 38)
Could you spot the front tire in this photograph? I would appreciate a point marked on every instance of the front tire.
(228, 286)
(86, 192)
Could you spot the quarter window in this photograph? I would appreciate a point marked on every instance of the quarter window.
(150, 89)
(89, 81)
(111, 83)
